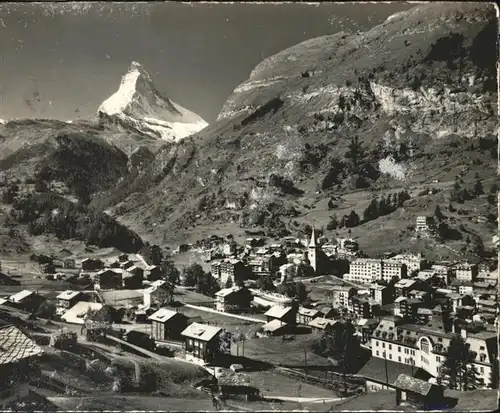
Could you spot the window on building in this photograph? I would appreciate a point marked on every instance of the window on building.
(383, 345)
(481, 369)
(399, 359)
(438, 359)
(390, 356)
(376, 343)
(399, 348)
(377, 353)
(390, 346)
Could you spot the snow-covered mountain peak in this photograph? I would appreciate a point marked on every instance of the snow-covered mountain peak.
(137, 104)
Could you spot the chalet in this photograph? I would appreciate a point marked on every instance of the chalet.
(233, 299)
(167, 324)
(203, 343)
(89, 264)
(365, 327)
(409, 308)
(423, 296)
(380, 373)
(419, 393)
(462, 287)
(126, 264)
(136, 270)
(466, 272)
(26, 300)
(232, 269)
(153, 273)
(404, 286)
(341, 295)
(320, 324)
(18, 366)
(328, 312)
(131, 281)
(424, 315)
(66, 300)
(381, 294)
(158, 293)
(275, 328)
(306, 315)
(110, 278)
(6, 280)
(77, 313)
(286, 315)
(443, 271)
(363, 307)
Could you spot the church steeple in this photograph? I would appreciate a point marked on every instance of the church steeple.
(312, 251)
(312, 243)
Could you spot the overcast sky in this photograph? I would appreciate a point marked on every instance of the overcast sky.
(62, 60)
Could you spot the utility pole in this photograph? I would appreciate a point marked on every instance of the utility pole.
(386, 372)
(305, 361)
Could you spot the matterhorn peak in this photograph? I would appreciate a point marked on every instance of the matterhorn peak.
(139, 106)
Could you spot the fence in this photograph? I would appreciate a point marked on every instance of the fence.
(333, 380)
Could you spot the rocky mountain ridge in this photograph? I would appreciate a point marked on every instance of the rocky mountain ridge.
(138, 106)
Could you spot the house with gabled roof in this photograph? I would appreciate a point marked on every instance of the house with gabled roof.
(419, 393)
(17, 351)
(306, 315)
(284, 314)
(167, 324)
(66, 300)
(320, 324)
(158, 293)
(204, 343)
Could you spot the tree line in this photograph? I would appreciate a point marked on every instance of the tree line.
(50, 213)
(385, 205)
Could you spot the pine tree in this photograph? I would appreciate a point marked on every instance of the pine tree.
(352, 220)
(437, 213)
(478, 187)
(229, 282)
(348, 346)
(333, 224)
(389, 202)
(457, 369)
(382, 206)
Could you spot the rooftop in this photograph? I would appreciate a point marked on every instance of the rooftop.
(15, 345)
(201, 331)
(308, 312)
(68, 295)
(412, 384)
(18, 297)
(227, 291)
(405, 282)
(273, 325)
(162, 315)
(77, 313)
(278, 311)
(322, 323)
(375, 368)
